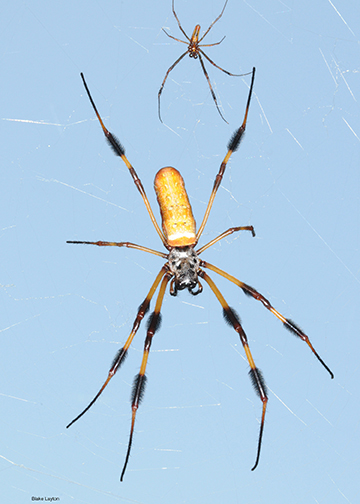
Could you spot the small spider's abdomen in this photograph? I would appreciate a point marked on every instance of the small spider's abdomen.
(193, 48)
(178, 222)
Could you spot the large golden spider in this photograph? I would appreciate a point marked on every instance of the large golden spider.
(184, 269)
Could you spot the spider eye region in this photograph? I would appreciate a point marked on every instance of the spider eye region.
(184, 264)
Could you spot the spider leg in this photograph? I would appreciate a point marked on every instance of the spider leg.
(289, 324)
(166, 76)
(140, 379)
(210, 86)
(121, 244)
(255, 374)
(213, 44)
(174, 38)
(120, 151)
(233, 145)
(178, 22)
(212, 24)
(223, 235)
(217, 66)
(122, 353)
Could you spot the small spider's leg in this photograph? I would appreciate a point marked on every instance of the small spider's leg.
(140, 379)
(174, 38)
(256, 376)
(213, 44)
(210, 86)
(212, 24)
(177, 19)
(217, 66)
(122, 353)
(289, 324)
(166, 76)
(233, 145)
(223, 235)
(120, 151)
(121, 244)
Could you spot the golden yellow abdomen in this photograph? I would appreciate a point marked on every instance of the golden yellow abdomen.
(178, 222)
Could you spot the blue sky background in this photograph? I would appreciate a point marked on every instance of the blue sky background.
(67, 309)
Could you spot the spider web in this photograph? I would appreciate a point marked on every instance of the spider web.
(67, 309)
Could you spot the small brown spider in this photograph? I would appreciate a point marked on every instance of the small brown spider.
(194, 51)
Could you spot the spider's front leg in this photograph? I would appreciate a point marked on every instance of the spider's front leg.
(256, 376)
(122, 353)
(140, 378)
